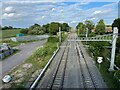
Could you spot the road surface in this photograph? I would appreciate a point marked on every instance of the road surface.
(26, 50)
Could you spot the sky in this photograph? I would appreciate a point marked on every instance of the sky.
(18, 13)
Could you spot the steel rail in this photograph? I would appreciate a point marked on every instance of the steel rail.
(43, 71)
(81, 55)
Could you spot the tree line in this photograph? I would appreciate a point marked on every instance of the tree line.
(51, 28)
(98, 29)
(89, 27)
(7, 28)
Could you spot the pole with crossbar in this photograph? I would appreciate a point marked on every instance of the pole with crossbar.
(114, 38)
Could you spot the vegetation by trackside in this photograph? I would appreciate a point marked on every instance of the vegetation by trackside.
(31, 68)
(98, 49)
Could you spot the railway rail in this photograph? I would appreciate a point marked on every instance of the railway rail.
(71, 68)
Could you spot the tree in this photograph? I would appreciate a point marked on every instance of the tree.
(36, 29)
(90, 25)
(10, 27)
(5, 27)
(116, 23)
(24, 31)
(34, 26)
(81, 28)
(65, 27)
(54, 28)
(100, 27)
(46, 28)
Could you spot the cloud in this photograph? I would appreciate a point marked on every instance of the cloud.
(61, 0)
(8, 15)
(97, 12)
(53, 9)
(45, 12)
(9, 9)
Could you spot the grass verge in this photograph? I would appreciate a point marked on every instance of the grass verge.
(13, 44)
(30, 69)
(10, 33)
(108, 76)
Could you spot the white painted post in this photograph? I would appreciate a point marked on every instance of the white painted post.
(59, 35)
(114, 38)
(86, 34)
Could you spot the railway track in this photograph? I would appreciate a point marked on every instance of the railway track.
(58, 76)
(57, 70)
(70, 69)
(86, 74)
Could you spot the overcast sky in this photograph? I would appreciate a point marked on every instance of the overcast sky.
(19, 13)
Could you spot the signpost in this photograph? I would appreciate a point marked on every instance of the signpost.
(99, 61)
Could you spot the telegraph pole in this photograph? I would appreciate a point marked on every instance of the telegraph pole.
(114, 38)
(86, 34)
(59, 35)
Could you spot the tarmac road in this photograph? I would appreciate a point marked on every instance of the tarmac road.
(26, 50)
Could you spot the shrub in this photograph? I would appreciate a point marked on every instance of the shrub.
(52, 39)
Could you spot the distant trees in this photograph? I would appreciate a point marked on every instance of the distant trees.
(51, 28)
(100, 27)
(54, 28)
(90, 25)
(7, 27)
(116, 23)
(81, 28)
(24, 31)
(36, 29)
(65, 27)
(46, 28)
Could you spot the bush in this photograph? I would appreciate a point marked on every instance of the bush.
(53, 39)
(92, 34)
(24, 31)
(117, 74)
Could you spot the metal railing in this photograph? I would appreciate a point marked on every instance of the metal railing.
(43, 71)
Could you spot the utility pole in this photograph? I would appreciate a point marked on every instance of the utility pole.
(59, 35)
(86, 34)
(114, 38)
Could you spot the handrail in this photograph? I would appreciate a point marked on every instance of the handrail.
(43, 71)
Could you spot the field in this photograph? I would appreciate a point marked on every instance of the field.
(10, 33)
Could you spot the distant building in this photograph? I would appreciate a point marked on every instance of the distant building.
(93, 30)
(109, 29)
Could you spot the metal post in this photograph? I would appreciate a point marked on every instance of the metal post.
(59, 35)
(86, 34)
(114, 38)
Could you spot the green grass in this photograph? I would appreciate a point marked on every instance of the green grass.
(38, 60)
(13, 44)
(108, 76)
(10, 33)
